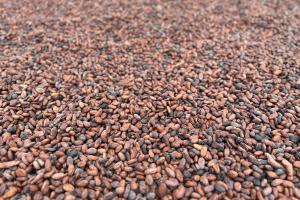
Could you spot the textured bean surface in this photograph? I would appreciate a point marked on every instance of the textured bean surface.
(149, 99)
